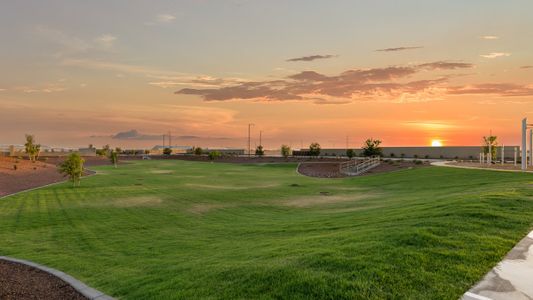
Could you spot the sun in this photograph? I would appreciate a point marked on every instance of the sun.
(436, 143)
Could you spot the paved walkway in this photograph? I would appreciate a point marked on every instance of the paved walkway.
(446, 164)
(511, 279)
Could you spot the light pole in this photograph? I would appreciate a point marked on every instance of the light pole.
(524, 149)
(249, 140)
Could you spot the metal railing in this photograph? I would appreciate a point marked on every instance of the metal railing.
(355, 167)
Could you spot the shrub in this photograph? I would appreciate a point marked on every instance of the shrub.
(167, 151)
(15, 167)
(350, 153)
(214, 155)
(259, 151)
(392, 155)
(416, 156)
(426, 156)
(418, 162)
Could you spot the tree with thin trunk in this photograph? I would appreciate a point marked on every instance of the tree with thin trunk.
(493, 142)
(32, 148)
(372, 148)
(314, 149)
(113, 157)
(285, 151)
(73, 168)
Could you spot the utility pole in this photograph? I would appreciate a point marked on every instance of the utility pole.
(261, 138)
(169, 140)
(249, 140)
(347, 144)
(163, 141)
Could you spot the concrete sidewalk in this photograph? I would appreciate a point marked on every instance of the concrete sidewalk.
(511, 279)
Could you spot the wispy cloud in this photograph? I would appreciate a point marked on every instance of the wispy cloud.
(70, 44)
(135, 135)
(390, 83)
(495, 55)
(500, 89)
(489, 37)
(526, 67)
(106, 40)
(398, 49)
(1, 90)
(163, 18)
(311, 57)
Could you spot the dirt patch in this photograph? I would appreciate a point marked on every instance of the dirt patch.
(201, 209)
(324, 199)
(227, 187)
(23, 282)
(137, 201)
(331, 169)
(161, 172)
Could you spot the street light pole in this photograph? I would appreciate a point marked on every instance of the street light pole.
(249, 140)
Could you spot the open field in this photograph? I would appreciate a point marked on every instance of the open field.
(178, 229)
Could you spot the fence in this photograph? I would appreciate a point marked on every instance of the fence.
(355, 167)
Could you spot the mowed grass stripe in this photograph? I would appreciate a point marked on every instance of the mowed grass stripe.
(173, 229)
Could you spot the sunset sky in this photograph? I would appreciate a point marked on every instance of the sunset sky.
(124, 72)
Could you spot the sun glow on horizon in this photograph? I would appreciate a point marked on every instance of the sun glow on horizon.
(436, 143)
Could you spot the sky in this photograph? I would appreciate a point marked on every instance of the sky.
(335, 72)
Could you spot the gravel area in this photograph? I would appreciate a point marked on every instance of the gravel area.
(28, 175)
(23, 282)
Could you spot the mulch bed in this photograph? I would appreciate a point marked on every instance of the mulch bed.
(21, 282)
(331, 169)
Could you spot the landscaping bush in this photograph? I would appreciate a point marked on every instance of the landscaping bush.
(214, 155)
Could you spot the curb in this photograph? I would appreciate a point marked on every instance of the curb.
(79, 286)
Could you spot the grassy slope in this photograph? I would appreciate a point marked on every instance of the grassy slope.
(226, 231)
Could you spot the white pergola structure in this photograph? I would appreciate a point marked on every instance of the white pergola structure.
(524, 159)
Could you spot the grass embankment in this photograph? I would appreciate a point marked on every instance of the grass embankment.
(174, 229)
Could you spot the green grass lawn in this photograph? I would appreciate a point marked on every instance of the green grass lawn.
(175, 229)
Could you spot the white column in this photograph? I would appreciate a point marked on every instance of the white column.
(489, 155)
(524, 149)
(515, 155)
(531, 147)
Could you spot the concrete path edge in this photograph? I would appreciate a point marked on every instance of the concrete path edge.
(79, 286)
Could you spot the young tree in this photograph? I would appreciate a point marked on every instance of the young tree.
(285, 151)
(371, 148)
(197, 151)
(493, 142)
(167, 151)
(31, 147)
(350, 153)
(113, 157)
(259, 151)
(73, 168)
(314, 149)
